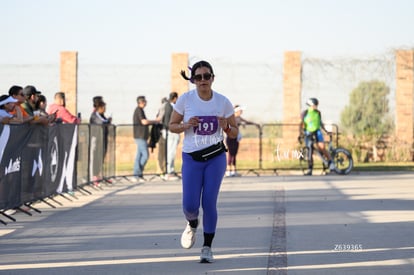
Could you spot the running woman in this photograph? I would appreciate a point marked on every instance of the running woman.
(203, 115)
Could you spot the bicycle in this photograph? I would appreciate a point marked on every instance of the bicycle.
(341, 157)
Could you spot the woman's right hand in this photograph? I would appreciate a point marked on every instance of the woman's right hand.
(192, 122)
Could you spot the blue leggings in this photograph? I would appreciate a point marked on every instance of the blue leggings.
(201, 183)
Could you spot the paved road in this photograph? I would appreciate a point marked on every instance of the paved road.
(286, 224)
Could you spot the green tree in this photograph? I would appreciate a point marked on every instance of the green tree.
(367, 116)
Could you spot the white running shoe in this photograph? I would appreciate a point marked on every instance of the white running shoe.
(136, 179)
(206, 255)
(188, 237)
(171, 177)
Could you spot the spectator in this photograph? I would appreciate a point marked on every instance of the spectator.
(99, 140)
(41, 105)
(233, 143)
(98, 115)
(96, 100)
(173, 139)
(59, 108)
(162, 138)
(141, 134)
(20, 114)
(6, 106)
(31, 96)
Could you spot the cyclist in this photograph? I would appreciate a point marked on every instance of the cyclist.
(311, 125)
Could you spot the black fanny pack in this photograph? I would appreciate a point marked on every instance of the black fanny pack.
(209, 152)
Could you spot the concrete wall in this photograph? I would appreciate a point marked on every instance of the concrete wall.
(292, 87)
(405, 95)
(179, 61)
(69, 79)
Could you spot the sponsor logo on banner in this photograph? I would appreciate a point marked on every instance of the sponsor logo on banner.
(4, 138)
(54, 159)
(14, 166)
(68, 165)
(38, 165)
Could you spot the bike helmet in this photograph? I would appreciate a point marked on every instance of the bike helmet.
(312, 101)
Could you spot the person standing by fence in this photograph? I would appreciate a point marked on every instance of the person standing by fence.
(141, 134)
(161, 158)
(31, 96)
(59, 108)
(41, 106)
(202, 114)
(6, 106)
(99, 140)
(173, 139)
(20, 114)
(233, 143)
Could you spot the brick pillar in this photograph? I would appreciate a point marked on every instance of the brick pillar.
(292, 86)
(404, 95)
(69, 79)
(179, 61)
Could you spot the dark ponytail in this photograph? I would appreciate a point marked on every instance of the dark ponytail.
(184, 76)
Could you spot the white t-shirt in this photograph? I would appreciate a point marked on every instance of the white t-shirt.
(208, 131)
(4, 113)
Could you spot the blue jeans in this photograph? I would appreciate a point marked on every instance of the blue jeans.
(172, 143)
(141, 157)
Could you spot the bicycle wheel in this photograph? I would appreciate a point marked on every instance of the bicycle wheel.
(342, 159)
(303, 159)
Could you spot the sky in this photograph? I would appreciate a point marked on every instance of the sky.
(148, 31)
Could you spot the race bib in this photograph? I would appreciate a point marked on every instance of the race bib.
(207, 125)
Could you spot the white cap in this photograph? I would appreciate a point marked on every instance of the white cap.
(239, 108)
(9, 99)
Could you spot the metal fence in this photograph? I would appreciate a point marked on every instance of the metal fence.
(263, 148)
(96, 153)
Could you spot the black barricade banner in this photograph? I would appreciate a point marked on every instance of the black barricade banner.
(33, 163)
(63, 148)
(36, 162)
(12, 141)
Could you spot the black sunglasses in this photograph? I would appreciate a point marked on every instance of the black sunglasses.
(205, 76)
